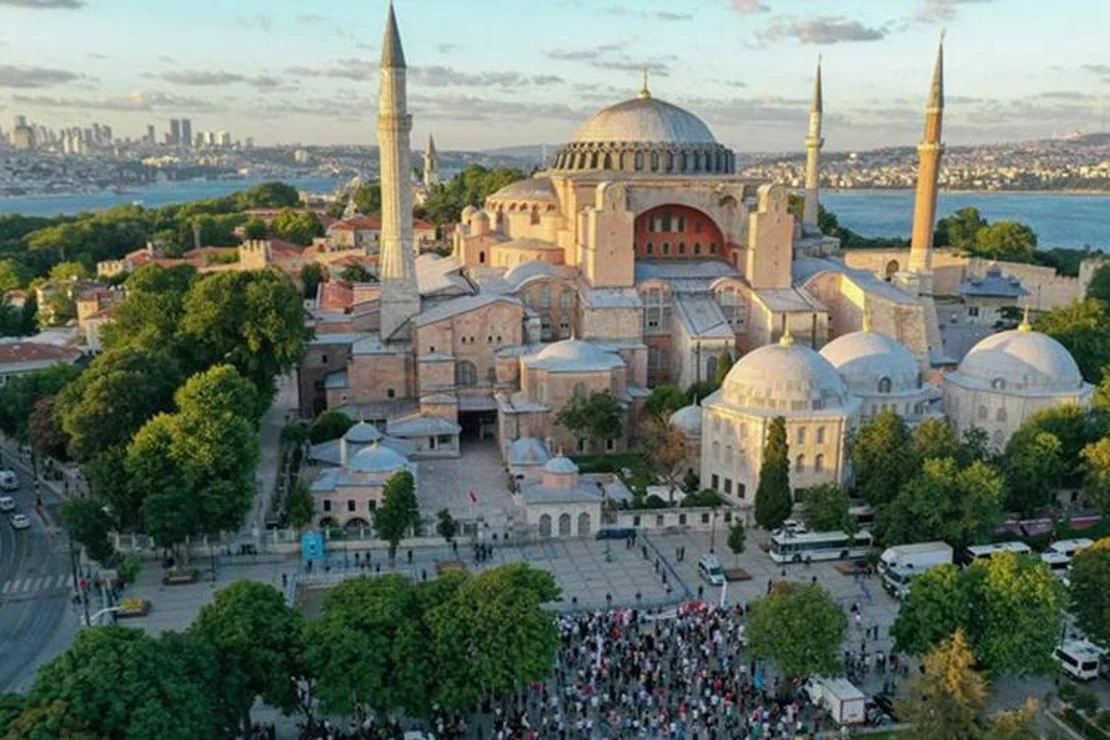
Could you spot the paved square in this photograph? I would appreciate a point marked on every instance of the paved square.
(445, 484)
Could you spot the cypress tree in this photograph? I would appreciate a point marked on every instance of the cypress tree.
(773, 500)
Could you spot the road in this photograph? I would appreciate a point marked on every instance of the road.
(36, 617)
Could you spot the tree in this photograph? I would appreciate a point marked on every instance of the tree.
(1098, 288)
(1081, 327)
(65, 271)
(1075, 428)
(1096, 457)
(1008, 241)
(257, 638)
(447, 527)
(1089, 591)
(949, 697)
(12, 275)
(299, 227)
(935, 607)
(85, 520)
(934, 438)
(826, 509)
(974, 446)
(773, 498)
(800, 629)
(154, 307)
(724, 364)
(595, 418)
(44, 433)
(20, 394)
(368, 198)
(268, 195)
(329, 425)
(962, 507)
(399, 513)
(312, 275)
(299, 506)
(254, 228)
(493, 636)
(1016, 724)
(960, 230)
(879, 459)
(220, 393)
(664, 400)
(736, 539)
(665, 447)
(356, 273)
(1034, 467)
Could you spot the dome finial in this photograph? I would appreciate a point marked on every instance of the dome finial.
(1025, 325)
(787, 339)
(644, 91)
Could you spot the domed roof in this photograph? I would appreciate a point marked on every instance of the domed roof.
(863, 358)
(1022, 359)
(645, 120)
(362, 433)
(574, 355)
(377, 459)
(688, 419)
(530, 188)
(560, 465)
(784, 377)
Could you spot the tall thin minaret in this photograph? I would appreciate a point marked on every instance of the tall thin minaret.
(814, 142)
(400, 300)
(928, 170)
(431, 167)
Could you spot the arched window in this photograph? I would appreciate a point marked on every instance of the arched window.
(481, 258)
(820, 435)
(996, 438)
(583, 524)
(716, 452)
(713, 247)
(819, 464)
(670, 162)
(655, 161)
(728, 454)
(697, 247)
(535, 215)
(545, 525)
(998, 384)
(1000, 415)
(982, 413)
(639, 161)
(593, 161)
(884, 385)
(800, 464)
(465, 373)
(608, 164)
(564, 525)
(684, 162)
(711, 367)
(682, 247)
(666, 248)
(697, 161)
(801, 435)
(650, 248)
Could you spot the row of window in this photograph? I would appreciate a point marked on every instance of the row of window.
(664, 223)
(649, 248)
(905, 409)
(466, 373)
(683, 519)
(490, 339)
(715, 484)
(352, 505)
(800, 432)
(719, 160)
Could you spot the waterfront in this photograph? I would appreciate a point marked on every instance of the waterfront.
(1060, 219)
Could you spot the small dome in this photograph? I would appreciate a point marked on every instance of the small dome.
(378, 459)
(784, 377)
(532, 188)
(865, 358)
(645, 120)
(688, 419)
(1022, 359)
(362, 433)
(574, 355)
(560, 465)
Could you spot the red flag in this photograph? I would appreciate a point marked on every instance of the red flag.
(473, 497)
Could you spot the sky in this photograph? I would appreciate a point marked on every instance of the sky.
(493, 73)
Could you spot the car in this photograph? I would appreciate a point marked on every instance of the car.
(20, 521)
(615, 533)
(9, 481)
(709, 568)
(792, 527)
(7, 503)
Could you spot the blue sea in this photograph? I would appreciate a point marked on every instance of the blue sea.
(1059, 219)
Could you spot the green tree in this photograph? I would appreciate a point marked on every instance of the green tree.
(665, 446)
(268, 195)
(773, 498)
(935, 607)
(664, 400)
(13, 275)
(493, 636)
(1075, 428)
(1098, 288)
(356, 273)
(220, 393)
(254, 228)
(1089, 592)
(329, 425)
(1033, 467)
(299, 227)
(962, 507)
(960, 230)
(257, 639)
(879, 459)
(1009, 241)
(154, 307)
(949, 697)
(974, 446)
(826, 509)
(86, 522)
(800, 629)
(399, 513)
(64, 271)
(299, 506)
(595, 418)
(737, 539)
(724, 364)
(368, 198)
(446, 526)
(1096, 457)
(20, 394)
(1081, 328)
(934, 438)
(312, 275)
(44, 433)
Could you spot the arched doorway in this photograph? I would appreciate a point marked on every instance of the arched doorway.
(545, 525)
(891, 269)
(686, 233)
(564, 525)
(584, 524)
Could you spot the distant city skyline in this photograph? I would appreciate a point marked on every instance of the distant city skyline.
(485, 76)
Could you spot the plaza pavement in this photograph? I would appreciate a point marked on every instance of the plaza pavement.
(445, 483)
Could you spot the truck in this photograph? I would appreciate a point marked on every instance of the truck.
(840, 697)
(900, 563)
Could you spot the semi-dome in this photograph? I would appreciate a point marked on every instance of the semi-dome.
(1022, 360)
(560, 465)
(378, 459)
(530, 188)
(644, 120)
(688, 420)
(574, 355)
(362, 433)
(784, 377)
(871, 362)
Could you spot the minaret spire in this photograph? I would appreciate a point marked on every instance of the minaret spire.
(400, 299)
(431, 165)
(929, 153)
(814, 142)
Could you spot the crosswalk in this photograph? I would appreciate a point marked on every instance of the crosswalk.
(35, 584)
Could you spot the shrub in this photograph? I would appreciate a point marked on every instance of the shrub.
(1086, 702)
(1068, 692)
(1104, 719)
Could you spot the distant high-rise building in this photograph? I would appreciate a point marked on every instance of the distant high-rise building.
(175, 132)
(23, 136)
(250, 142)
(150, 136)
(20, 121)
(223, 138)
(186, 132)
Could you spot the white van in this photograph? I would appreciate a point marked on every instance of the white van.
(709, 568)
(1078, 659)
(1069, 547)
(9, 481)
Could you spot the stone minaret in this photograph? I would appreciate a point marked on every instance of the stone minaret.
(431, 168)
(814, 142)
(928, 169)
(400, 300)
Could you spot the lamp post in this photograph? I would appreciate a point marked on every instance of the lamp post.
(712, 530)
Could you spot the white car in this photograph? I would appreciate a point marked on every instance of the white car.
(7, 503)
(9, 481)
(20, 521)
(792, 527)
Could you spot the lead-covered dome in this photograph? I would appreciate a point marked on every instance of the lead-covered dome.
(871, 362)
(784, 377)
(574, 355)
(378, 459)
(1022, 360)
(688, 420)
(645, 120)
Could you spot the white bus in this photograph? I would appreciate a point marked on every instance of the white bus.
(796, 548)
(983, 553)
(1070, 547)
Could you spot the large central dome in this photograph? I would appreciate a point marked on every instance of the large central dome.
(645, 120)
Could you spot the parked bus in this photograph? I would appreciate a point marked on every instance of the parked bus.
(796, 548)
(1070, 547)
(986, 552)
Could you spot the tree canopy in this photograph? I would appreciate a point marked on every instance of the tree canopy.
(826, 509)
(1089, 592)
(399, 513)
(773, 498)
(800, 629)
(945, 502)
(299, 227)
(596, 418)
(1081, 327)
(879, 459)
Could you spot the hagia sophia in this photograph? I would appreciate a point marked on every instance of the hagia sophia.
(639, 257)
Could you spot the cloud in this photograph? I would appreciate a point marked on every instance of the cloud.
(821, 31)
(141, 100)
(666, 15)
(1065, 95)
(582, 55)
(748, 7)
(311, 18)
(440, 76)
(622, 11)
(933, 11)
(348, 69)
(455, 107)
(259, 22)
(201, 78)
(446, 48)
(45, 4)
(34, 77)
(1098, 69)
(166, 59)
(95, 55)
(657, 67)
